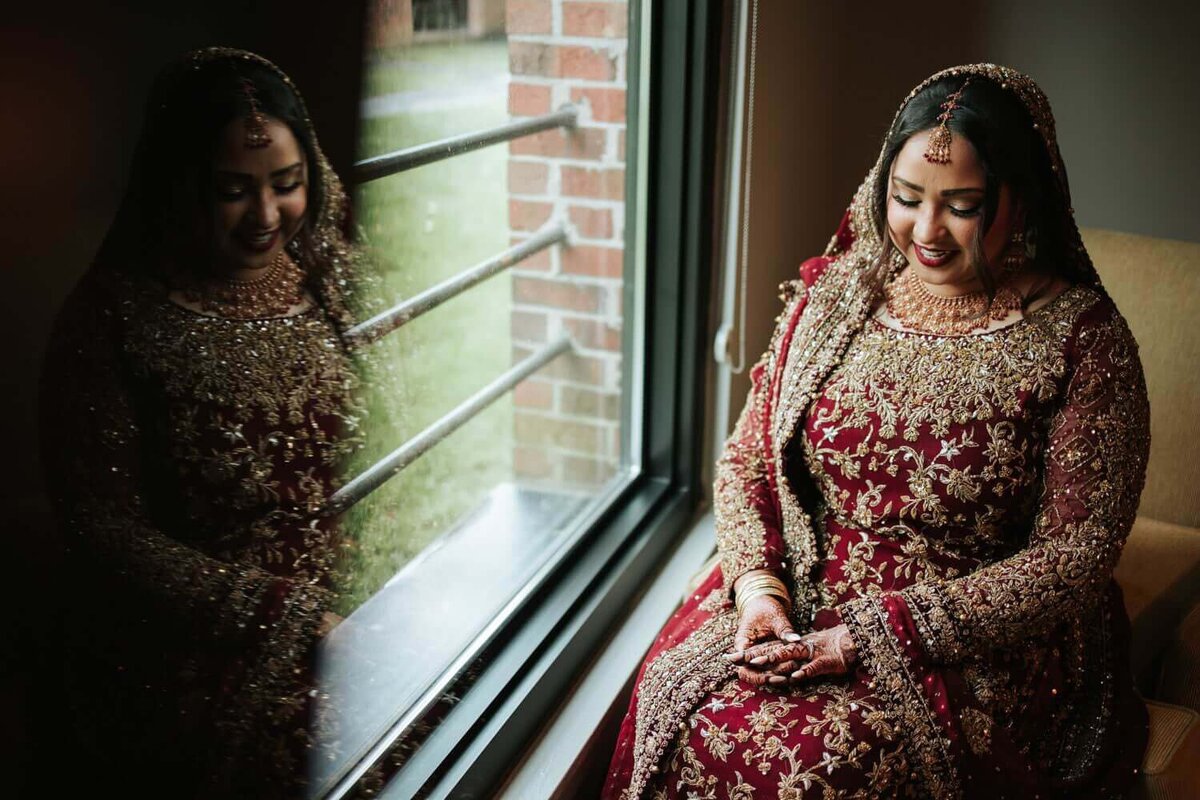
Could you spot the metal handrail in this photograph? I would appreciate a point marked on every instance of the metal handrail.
(385, 322)
(412, 157)
(387, 467)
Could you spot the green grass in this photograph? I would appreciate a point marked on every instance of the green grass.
(424, 226)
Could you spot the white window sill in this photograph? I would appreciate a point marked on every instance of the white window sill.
(578, 740)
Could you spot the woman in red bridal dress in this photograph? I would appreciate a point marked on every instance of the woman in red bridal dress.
(200, 399)
(920, 508)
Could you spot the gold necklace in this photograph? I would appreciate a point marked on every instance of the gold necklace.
(911, 303)
(273, 294)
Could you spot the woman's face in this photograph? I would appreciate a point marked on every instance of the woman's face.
(933, 211)
(261, 196)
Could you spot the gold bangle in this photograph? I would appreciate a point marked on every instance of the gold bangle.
(758, 586)
(743, 599)
(755, 583)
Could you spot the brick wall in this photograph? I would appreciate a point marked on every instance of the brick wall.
(569, 51)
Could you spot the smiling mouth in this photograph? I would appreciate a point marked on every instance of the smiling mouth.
(931, 257)
(260, 240)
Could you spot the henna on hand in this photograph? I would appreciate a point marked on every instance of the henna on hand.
(833, 653)
(765, 618)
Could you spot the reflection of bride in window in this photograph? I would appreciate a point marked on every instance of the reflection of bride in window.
(921, 506)
(198, 402)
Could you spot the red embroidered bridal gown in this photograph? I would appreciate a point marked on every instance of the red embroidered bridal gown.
(968, 497)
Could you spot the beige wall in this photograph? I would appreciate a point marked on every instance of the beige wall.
(829, 79)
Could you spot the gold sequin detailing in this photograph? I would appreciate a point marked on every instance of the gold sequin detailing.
(673, 684)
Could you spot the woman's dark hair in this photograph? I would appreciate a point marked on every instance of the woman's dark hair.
(1011, 151)
(171, 179)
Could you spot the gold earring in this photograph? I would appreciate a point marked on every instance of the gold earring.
(1014, 259)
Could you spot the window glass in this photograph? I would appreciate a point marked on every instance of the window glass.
(447, 547)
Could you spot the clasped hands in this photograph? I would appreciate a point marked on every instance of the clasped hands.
(768, 652)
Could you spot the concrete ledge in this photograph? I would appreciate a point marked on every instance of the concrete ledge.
(570, 758)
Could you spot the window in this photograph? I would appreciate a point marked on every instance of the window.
(547, 407)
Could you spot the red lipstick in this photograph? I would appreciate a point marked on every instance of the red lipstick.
(931, 257)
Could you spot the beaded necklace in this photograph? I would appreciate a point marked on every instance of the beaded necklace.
(911, 303)
(273, 294)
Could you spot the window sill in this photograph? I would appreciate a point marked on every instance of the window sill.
(574, 746)
(400, 647)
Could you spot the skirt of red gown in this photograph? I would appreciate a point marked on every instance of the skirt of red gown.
(835, 738)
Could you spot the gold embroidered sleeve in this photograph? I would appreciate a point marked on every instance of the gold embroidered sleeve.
(94, 450)
(749, 534)
(1094, 470)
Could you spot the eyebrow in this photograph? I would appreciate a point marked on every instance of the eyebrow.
(276, 174)
(945, 193)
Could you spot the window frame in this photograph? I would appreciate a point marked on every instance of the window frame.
(535, 657)
(548, 643)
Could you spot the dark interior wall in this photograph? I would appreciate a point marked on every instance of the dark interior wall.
(73, 78)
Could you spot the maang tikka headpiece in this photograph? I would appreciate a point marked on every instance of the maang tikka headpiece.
(256, 120)
(938, 149)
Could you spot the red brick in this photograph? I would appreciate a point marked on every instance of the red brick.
(586, 63)
(585, 144)
(532, 462)
(592, 223)
(528, 326)
(587, 471)
(528, 215)
(538, 261)
(533, 58)
(534, 394)
(571, 435)
(597, 262)
(582, 369)
(557, 294)
(528, 16)
(589, 403)
(608, 105)
(561, 61)
(528, 177)
(609, 20)
(594, 334)
(528, 99)
(603, 184)
(577, 369)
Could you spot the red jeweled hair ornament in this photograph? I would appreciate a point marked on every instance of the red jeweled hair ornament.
(256, 120)
(938, 149)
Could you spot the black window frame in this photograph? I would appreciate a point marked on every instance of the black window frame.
(532, 663)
